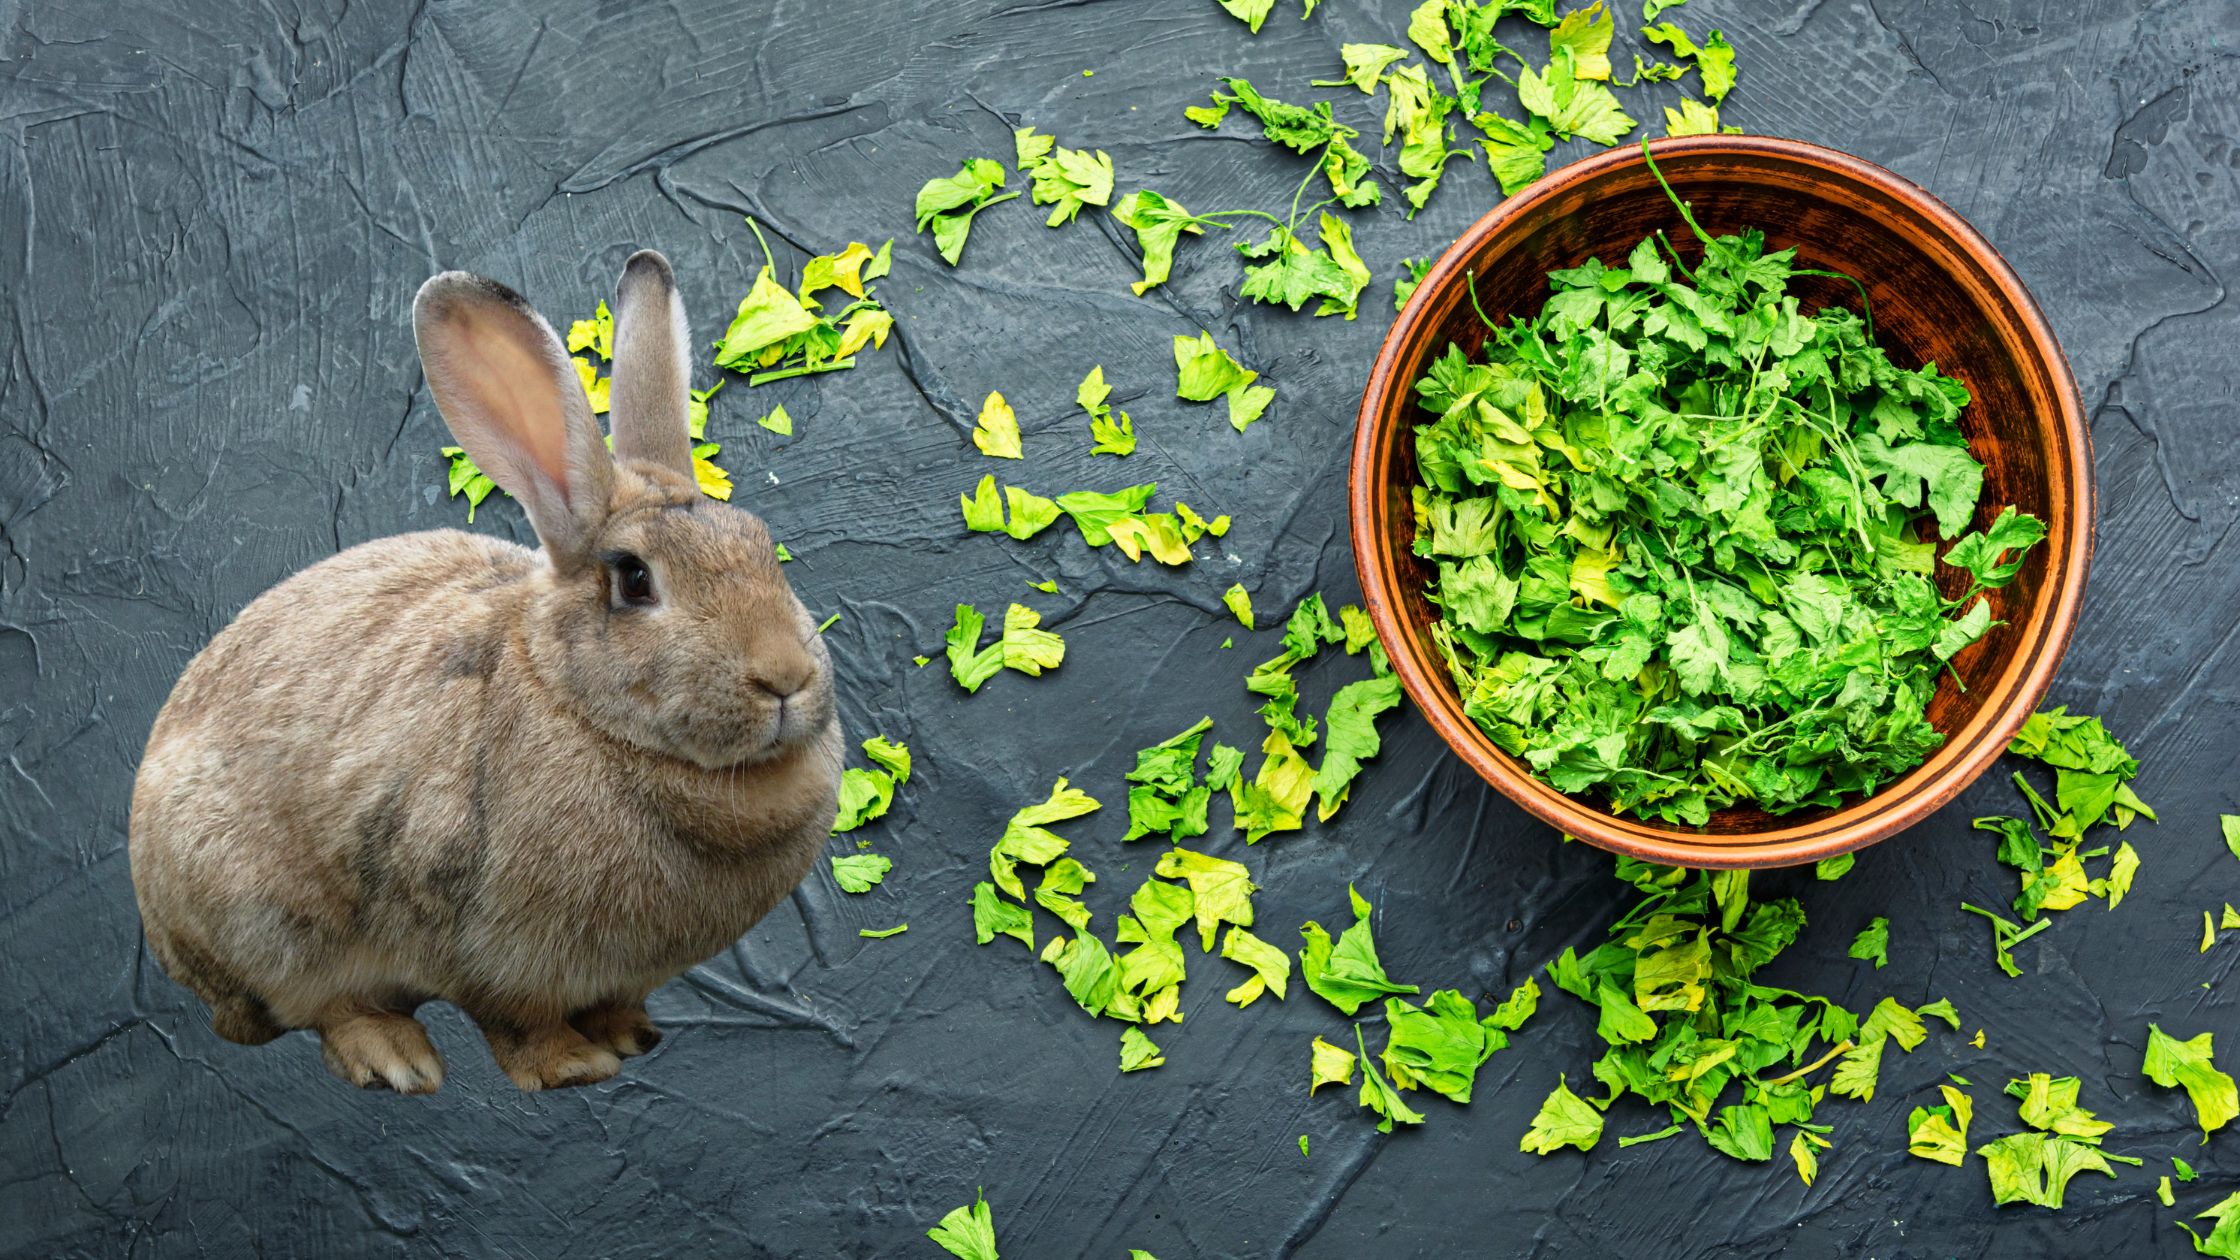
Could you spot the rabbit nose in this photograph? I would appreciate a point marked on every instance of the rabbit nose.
(787, 681)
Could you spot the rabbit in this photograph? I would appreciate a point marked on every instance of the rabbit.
(534, 784)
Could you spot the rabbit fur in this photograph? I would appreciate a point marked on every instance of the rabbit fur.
(535, 784)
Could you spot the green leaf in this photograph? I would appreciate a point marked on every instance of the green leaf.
(1346, 973)
(1379, 1096)
(968, 1233)
(992, 917)
(1158, 224)
(947, 205)
(1744, 1133)
(1137, 1051)
(1250, 12)
(1516, 153)
(1204, 371)
(1064, 178)
(1573, 106)
(860, 872)
(1584, 35)
(1873, 943)
(2224, 1235)
(968, 663)
(1271, 969)
(1984, 554)
(996, 432)
(2036, 1167)
(1365, 65)
(1834, 868)
(1564, 1119)
(1427, 28)
(1693, 118)
(2174, 1063)
(1222, 890)
(1439, 1045)
(1239, 601)
(1094, 512)
(1940, 1134)
(768, 315)
(1027, 839)
(1333, 1065)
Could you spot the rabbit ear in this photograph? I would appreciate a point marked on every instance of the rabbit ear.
(509, 394)
(652, 375)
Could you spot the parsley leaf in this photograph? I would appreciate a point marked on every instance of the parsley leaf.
(1271, 968)
(860, 872)
(969, 1232)
(1346, 973)
(1564, 1119)
(1333, 1065)
(996, 432)
(2171, 1062)
(1239, 601)
(1221, 890)
(1064, 178)
(1022, 646)
(1158, 224)
(1137, 1051)
(947, 205)
(1873, 943)
(1941, 1133)
(1365, 65)
(1379, 1096)
(1204, 372)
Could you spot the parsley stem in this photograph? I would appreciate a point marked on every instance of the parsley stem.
(1470, 286)
(1813, 1066)
(767, 260)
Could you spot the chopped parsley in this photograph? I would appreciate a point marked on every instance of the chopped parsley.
(1022, 646)
(780, 333)
(1204, 372)
(947, 205)
(1675, 523)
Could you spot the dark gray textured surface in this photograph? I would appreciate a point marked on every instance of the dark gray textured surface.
(212, 220)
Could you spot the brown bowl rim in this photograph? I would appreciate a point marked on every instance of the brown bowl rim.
(1849, 827)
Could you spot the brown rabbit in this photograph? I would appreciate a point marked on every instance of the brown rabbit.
(536, 784)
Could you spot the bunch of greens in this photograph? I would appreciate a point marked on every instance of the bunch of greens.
(1688, 1025)
(1115, 518)
(779, 333)
(2091, 786)
(1675, 522)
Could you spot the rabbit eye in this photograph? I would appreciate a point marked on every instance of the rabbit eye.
(633, 584)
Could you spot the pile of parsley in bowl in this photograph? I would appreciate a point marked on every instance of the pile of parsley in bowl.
(1678, 525)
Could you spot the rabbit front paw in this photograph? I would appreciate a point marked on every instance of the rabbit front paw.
(381, 1050)
(547, 1054)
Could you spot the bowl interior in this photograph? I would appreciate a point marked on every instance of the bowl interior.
(1937, 293)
